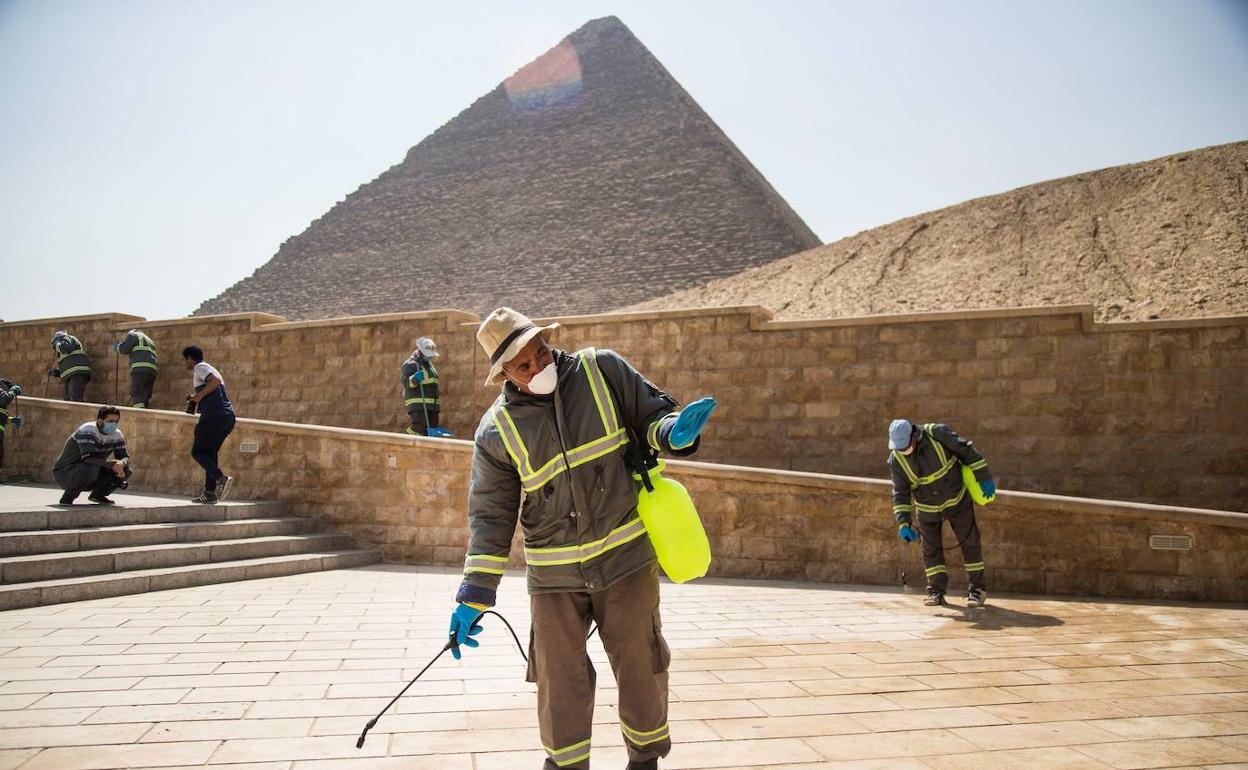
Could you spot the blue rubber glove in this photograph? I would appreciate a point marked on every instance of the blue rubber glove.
(689, 423)
(463, 627)
(419, 376)
(117, 347)
(907, 533)
(989, 486)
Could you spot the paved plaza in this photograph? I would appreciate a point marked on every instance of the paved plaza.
(284, 672)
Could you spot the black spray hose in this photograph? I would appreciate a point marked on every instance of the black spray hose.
(973, 530)
(450, 644)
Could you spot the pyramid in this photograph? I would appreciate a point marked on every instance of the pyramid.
(587, 181)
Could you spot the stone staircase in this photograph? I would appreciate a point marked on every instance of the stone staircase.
(51, 554)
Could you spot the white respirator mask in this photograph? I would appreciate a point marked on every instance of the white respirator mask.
(544, 382)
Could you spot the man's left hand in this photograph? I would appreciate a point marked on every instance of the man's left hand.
(989, 487)
(689, 423)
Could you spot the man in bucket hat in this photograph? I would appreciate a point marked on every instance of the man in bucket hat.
(551, 452)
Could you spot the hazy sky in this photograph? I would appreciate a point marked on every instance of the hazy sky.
(153, 152)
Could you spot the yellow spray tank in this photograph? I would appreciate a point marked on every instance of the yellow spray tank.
(674, 527)
(972, 486)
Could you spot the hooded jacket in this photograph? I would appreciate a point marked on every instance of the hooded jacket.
(557, 463)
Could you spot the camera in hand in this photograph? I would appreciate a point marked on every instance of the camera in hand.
(190, 405)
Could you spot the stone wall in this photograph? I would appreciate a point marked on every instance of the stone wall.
(407, 495)
(1150, 411)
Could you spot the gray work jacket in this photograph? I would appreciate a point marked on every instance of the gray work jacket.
(557, 463)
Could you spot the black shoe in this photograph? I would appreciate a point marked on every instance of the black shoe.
(68, 498)
(934, 598)
(99, 499)
(205, 499)
(223, 486)
(649, 764)
(976, 597)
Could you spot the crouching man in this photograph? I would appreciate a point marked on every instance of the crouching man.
(94, 459)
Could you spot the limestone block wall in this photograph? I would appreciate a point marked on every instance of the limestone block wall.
(1149, 411)
(408, 496)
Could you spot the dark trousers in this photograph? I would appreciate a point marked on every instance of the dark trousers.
(961, 519)
(628, 621)
(81, 477)
(210, 434)
(142, 381)
(1, 448)
(76, 387)
(419, 427)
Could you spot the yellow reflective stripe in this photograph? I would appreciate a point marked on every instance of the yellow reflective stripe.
(574, 458)
(143, 365)
(140, 406)
(425, 400)
(414, 433)
(598, 387)
(568, 755)
(978, 465)
(937, 475)
(935, 570)
(74, 370)
(640, 738)
(946, 504)
(901, 507)
(975, 566)
(492, 565)
(652, 435)
(576, 554)
(512, 441)
(940, 449)
(906, 469)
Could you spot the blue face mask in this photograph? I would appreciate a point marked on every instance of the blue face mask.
(110, 427)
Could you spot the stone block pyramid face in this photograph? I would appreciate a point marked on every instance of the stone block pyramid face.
(587, 181)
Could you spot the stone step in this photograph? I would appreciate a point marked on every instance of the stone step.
(49, 541)
(88, 515)
(140, 581)
(57, 566)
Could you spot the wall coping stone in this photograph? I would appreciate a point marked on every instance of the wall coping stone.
(71, 319)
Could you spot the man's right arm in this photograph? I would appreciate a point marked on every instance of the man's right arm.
(493, 507)
(128, 344)
(901, 494)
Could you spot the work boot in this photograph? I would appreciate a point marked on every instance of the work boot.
(68, 498)
(976, 597)
(935, 597)
(649, 764)
(99, 499)
(205, 499)
(223, 486)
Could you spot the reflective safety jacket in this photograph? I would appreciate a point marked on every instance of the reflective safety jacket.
(141, 349)
(71, 356)
(6, 397)
(420, 394)
(930, 475)
(558, 464)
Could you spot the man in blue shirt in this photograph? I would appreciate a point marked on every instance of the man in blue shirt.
(216, 421)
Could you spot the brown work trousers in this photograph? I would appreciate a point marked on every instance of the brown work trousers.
(627, 615)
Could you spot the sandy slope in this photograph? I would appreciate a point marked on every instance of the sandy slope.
(1167, 238)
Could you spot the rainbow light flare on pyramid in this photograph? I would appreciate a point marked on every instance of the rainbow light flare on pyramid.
(553, 79)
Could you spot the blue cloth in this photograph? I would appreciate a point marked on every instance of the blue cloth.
(989, 486)
(899, 434)
(690, 422)
(907, 533)
(464, 627)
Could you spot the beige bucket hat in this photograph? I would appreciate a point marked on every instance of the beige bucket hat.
(503, 334)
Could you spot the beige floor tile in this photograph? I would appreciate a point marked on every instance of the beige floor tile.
(166, 712)
(1050, 758)
(444, 762)
(44, 717)
(1133, 755)
(133, 756)
(1022, 736)
(10, 759)
(76, 735)
(740, 754)
(223, 729)
(1182, 704)
(1020, 713)
(913, 743)
(824, 704)
(1177, 726)
(786, 727)
(266, 749)
(971, 696)
(795, 674)
(925, 719)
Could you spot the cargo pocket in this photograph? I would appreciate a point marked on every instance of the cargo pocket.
(530, 673)
(662, 653)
